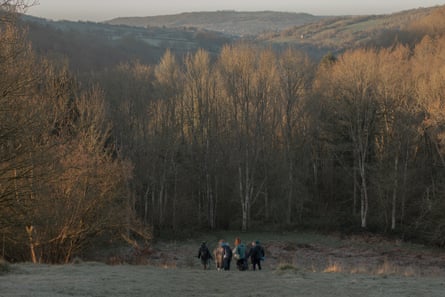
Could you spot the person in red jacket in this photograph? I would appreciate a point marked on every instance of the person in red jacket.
(239, 253)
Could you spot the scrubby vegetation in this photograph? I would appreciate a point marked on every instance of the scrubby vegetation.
(4, 266)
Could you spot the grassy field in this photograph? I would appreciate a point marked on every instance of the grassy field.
(295, 265)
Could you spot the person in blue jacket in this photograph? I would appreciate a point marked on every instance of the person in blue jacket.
(239, 253)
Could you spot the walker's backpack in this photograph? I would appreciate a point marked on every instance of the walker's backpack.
(258, 252)
(227, 252)
(262, 256)
(205, 254)
(241, 250)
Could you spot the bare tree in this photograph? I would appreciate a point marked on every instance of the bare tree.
(12, 6)
(352, 87)
(397, 110)
(246, 75)
(21, 124)
(428, 78)
(166, 134)
(295, 79)
(200, 125)
(60, 184)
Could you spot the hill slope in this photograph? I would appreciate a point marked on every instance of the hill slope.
(316, 35)
(347, 32)
(94, 46)
(229, 22)
(90, 46)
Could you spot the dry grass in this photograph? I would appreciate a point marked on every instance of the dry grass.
(389, 268)
(286, 267)
(333, 268)
(385, 269)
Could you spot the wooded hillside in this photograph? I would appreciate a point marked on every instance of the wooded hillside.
(249, 138)
(230, 22)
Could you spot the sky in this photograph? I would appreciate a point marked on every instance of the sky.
(101, 10)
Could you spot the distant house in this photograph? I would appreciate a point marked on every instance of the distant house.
(306, 35)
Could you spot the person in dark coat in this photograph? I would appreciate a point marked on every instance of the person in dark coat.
(256, 254)
(227, 257)
(205, 255)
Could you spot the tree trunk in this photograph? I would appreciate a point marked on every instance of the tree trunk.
(266, 205)
(354, 194)
(175, 190)
(290, 194)
(364, 207)
(30, 230)
(245, 196)
(364, 196)
(146, 202)
(394, 192)
(405, 180)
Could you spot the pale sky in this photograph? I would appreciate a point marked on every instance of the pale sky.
(101, 10)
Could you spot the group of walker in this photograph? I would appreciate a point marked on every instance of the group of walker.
(223, 255)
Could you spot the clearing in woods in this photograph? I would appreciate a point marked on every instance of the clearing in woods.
(296, 265)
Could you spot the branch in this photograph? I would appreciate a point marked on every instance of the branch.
(12, 6)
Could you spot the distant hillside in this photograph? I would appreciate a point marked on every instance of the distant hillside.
(316, 35)
(229, 22)
(347, 32)
(95, 46)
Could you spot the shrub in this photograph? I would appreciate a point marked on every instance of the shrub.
(286, 267)
(4, 266)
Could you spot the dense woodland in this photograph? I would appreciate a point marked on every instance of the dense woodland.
(248, 139)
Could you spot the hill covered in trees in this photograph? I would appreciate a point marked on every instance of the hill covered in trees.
(229, 22)
(95, 46)
(346, 32)
(88, 45)
(240, 136)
